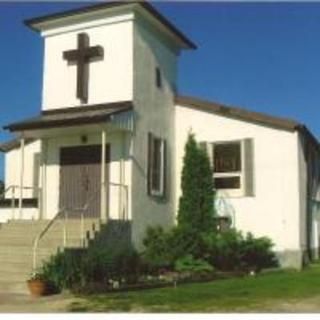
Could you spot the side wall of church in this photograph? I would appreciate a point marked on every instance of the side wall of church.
(276, 206)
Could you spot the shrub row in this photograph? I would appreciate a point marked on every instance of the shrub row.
(227, 251)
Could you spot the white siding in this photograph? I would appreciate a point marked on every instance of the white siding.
(111, 79)
(274, 209)
(12, 167)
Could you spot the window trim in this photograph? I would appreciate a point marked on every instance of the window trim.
(234, 192)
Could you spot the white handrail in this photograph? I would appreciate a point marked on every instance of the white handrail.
(64, 212)
(41, 234)
(13, 198)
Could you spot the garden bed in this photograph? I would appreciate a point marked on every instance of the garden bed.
(98, 287)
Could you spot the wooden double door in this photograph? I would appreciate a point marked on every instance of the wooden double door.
(80, 179)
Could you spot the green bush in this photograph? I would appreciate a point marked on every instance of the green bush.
(63, 269)
(189, 264)
(257, 253)
(230, 251)
(223, 250)
(162, 248)
(157, 253)
(96, 265)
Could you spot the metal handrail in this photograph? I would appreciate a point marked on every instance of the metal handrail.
(42, 233)
(64, 212)
(13, 197)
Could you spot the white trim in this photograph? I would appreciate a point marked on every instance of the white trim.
(43, 173)
(103, 177)
(54, 28)
(237, 192)
(22, 143)
(160, 192)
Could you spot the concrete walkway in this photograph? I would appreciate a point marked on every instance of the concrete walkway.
(24, 303)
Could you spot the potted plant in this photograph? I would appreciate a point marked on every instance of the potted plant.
(38, 285)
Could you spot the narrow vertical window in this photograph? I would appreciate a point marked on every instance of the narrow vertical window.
(158, 78)
(156, 165)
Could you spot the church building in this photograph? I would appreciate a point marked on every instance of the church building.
(108, 145)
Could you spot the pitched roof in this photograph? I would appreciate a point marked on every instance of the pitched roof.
(239, 113)
(13, 144)
(72, 116)
(248, 116)
(32, 23)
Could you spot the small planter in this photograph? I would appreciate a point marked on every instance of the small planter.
(38, 287)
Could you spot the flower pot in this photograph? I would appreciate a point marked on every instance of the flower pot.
(37, 287)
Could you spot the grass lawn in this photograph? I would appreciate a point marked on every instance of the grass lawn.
(262, 293)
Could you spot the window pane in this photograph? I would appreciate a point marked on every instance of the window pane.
(158, 78)
(227, 157)
(227, 183)
(156, 162)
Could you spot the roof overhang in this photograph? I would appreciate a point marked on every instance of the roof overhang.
(248, 116)
(239, 113)
(13, 144)
(74, 116)
(105, 9)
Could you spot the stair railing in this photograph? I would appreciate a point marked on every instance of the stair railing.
(63, 213)
(44, 231)
(13, 197)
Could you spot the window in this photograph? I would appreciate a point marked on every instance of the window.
(156, 165)
(232, 163)
(227, 165)
(158, 78)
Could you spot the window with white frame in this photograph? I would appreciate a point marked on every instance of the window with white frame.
(227, 165)
(232, 163)
(156, 165)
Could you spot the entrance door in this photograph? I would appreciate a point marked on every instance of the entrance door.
(80, 179)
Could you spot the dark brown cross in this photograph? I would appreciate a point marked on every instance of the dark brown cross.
(82, 56)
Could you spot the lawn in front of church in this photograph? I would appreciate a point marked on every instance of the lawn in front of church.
(281, 291)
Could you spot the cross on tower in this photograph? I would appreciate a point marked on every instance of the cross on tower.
(82, 57)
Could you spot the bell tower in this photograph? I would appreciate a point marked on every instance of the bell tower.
(91, 53)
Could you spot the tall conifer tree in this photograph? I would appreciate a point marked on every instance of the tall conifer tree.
(196, 205)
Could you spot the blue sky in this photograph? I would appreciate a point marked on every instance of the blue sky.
(262, 56)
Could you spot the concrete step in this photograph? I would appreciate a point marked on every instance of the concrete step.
(22, 250)
(15, 272)
(14, 286)
(16, 247)
(47, 241)
(15, 277)
(73, 232)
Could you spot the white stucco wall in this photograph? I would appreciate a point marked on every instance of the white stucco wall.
(274, 209)
(154, 113)
(13, 167)
(110, 79)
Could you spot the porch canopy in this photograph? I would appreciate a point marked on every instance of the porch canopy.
(54, 122)
(101, 118)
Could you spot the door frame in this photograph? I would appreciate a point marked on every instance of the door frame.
(107, 171)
